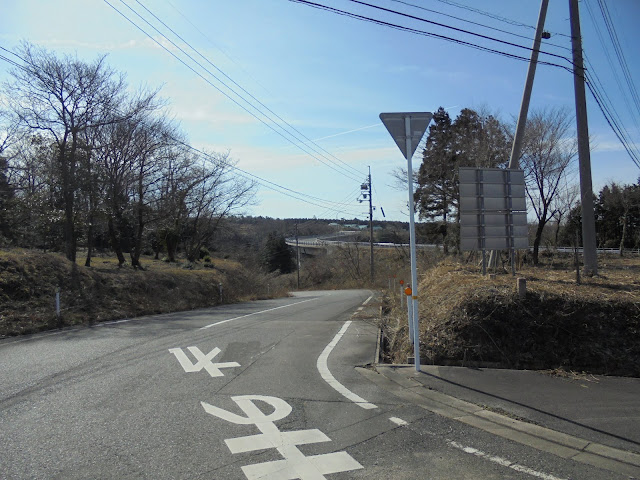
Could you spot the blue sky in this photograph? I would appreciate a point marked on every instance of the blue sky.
(330, 77)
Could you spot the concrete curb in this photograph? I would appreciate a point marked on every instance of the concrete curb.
(540, 438)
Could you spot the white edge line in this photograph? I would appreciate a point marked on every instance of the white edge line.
(504, 462)
(330, 379)
(368, 300)
(255, 313)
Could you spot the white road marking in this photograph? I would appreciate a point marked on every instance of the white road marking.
(295, 464)
(398, 421)
(368, 300)
(204, 361)
(330, 379)
(256, 313)
(504, 462)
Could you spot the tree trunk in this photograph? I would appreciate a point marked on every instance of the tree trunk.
(87, 262)
(536, 241)
(171, 240)
(136, 251)
(115, 242)
(624, 231)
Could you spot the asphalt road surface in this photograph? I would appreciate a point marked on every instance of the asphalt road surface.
(264, 389)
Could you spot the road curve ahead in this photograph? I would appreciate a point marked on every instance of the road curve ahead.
(263, 389)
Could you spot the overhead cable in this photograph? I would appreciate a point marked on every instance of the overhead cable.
(424, 33)
(307, 139)
(331, 165)
(461, 30)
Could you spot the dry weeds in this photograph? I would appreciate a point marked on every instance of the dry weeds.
(468, 319)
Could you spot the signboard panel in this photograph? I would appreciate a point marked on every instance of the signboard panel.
(492, 209)
(493, 243)
(494, 219)
(479, 203)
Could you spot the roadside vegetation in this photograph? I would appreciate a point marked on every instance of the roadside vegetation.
(467, 319)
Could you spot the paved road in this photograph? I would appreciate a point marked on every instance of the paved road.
(257, 390)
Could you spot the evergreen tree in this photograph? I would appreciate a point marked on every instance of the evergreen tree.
(472, 140)
(277, 256)
(435, 192)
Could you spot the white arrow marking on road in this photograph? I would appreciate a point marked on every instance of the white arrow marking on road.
(204, 361)
(295, 464)
(330, 379)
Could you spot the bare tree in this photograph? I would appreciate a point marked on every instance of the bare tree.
(566, 199)
(64, 98)
(547, 155)
(218, 194)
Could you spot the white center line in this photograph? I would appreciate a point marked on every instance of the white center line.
(330, 379)
(255, 313)
(398, 421)
(504, 462)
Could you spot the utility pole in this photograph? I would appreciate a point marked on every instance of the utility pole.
(516, 148)
(366, 189)
(589, 249)
(297, 256)
(370, 228)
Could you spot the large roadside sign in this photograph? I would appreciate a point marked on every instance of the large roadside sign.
(493, 210)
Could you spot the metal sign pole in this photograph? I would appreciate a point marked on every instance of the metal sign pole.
(412, 240)
(407, 129)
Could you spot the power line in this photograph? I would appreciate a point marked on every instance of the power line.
(609, 58)
(619, 53)
(476, 23)
(336, 168)
(493, 16)
(308, 140)
(300, 196)
(298, 145)
(326, 205)
(461, 30)
(613, 123)
(424, 33)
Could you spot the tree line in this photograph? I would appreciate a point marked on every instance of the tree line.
(548, 158)
(87, 161)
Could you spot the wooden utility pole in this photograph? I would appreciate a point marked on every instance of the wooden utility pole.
(589, 249)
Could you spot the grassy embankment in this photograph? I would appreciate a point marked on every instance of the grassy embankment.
(468, 319)
(29, 280)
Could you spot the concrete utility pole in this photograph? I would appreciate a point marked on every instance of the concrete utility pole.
(516, 148)
(370, 227)
(297, 256)
(589, 248)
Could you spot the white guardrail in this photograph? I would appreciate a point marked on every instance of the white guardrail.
(321, 243)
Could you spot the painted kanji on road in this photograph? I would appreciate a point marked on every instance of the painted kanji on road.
(295, 464)
(203, 361)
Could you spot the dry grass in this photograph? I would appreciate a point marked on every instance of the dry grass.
(470, 319)
(29, 280)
